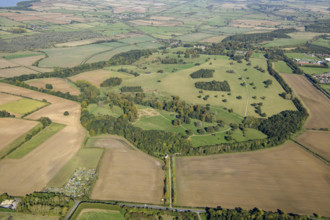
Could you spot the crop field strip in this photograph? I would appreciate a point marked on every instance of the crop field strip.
(34, 171)
(59, 84)
(12, 128)
(317, 103)
(134, 177)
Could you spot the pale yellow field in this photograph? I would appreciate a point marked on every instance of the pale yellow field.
(287, 178)
(316, 102)
(215, 39)
(12, 128)
(127, 174)
(96, 77)
(58, 84)
(32, 172)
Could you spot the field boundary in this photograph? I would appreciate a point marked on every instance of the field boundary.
(318, 156)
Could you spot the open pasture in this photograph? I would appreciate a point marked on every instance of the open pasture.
(316, 102)
(96, 77)
(286, 178)
(282, 67)
(251, 23)
(159, 23)
(100, 214)
(32, 172)
(22, 106)
(72, 56)
(296, 39)
(59, 84)
(134, 176)
(12, 128)
(317, 141)
(181, 84)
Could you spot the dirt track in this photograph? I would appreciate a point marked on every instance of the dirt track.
(32, 172)
(286, 178)
(126, 174)
(316, 102)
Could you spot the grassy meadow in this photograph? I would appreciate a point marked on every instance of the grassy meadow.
(22, 106)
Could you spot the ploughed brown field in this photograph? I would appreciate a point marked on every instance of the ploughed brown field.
(127, 174)
(12, 128)
(287, 178)
(59, 84)
(317, 141)
(5, 98)
(316, 102)
(32, 172)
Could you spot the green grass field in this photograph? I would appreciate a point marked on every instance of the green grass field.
(22, 106)
(282, 67)
(296, 39)
(85, 158)
(19, 140)
(301, 56)
(217, 138)
(21, 55)
(105, 110)
(326, 87)
(35, 141)
(312, 70)
(181, 84)
(322, 42)
(101, 215)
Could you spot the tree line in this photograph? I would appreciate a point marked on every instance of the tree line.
(320, 26)
(202, 73)
(5, 114)
(260, 37)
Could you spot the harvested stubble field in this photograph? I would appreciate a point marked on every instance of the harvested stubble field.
(96, 77)
(6, 64)
(317, 141)
(32, 172)
(15, 71)
(287, 178)
(12, 128)
(59, 84)
(317, 103)
(127, 174)
(27, 61)
(5, 98)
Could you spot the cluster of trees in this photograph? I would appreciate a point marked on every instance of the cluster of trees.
(256, 213)
(45, 121)
(321, 26)
(312, 48)
(171, 60)
(44, 40)
(5, 114)
(41, 203)
(173, 104)
(128, 71)
(213, 86)
(202, 73)
(113, 81)
(153, 142)
(128, 58)
(260, 37)
(131, 89)
(88, 91)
